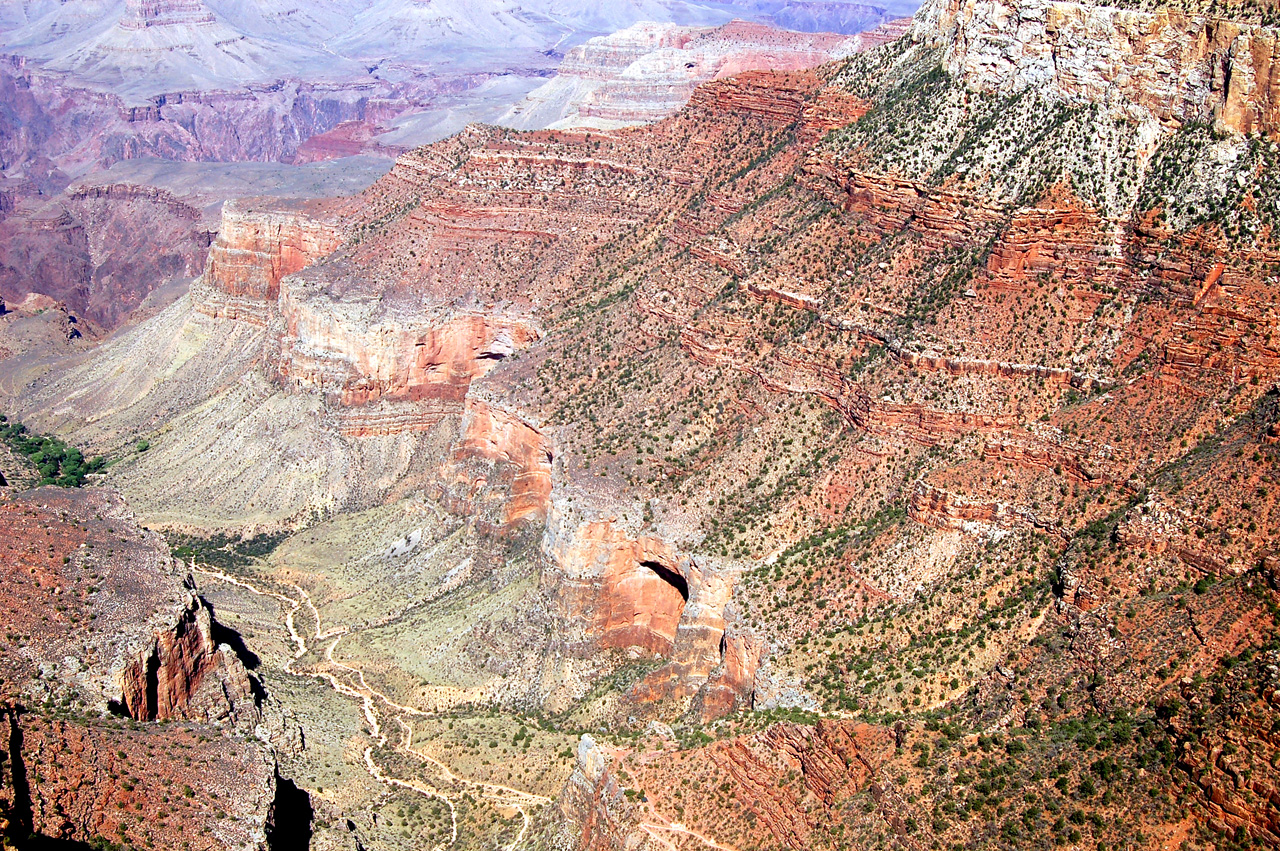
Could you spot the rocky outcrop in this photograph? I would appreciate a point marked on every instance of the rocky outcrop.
(356, 353)
(82, 780)
(619, 591)
(612, 589)
(125, 192)
(591, 812)
(941, 509)
(1230, 329)
(586, 72)
(918, 422)
(150, 642)
(1156, 526)
(499, 468)
(79, 126)
(185, 674)
(731, 686)
(1047, 450)
(1165, 65)
(760, 94)
(258, 244)
(1057, 238)
(890, 203)
(140, 14)
(957, 367)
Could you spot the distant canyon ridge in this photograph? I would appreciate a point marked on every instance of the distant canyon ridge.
(114, 111)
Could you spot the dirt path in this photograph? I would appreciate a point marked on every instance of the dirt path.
(370, 698)
(651, 828)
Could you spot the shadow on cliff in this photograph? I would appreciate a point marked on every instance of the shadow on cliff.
(19, 815)
(669, 576)
(289, 827)
(223, 634)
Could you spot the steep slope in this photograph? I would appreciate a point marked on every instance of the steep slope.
(881, 454)
(100, 629)
(101, 250)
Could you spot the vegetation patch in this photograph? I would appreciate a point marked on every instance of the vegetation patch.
(55, 462)
(223, 551)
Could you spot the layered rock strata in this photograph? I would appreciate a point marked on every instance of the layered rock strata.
(1165, 65)
(649, 71)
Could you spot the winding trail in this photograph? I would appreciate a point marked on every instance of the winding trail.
(677, 828)
(370, 697)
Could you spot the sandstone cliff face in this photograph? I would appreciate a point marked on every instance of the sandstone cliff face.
(1167, 65)
(614, 590)
(386, 372)
(618, 591)
(185, 674)
(500, 467)
(255, 248)
(359, 355)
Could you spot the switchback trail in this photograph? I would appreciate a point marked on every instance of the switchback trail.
(370, 698)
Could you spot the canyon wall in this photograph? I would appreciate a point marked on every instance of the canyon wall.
(790, 415)
(649, 71)
(499, 469)
(359, 357)
(100, 250)
(259, 242)
(1167, 64)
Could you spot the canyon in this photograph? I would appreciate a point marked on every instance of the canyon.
(647, 72)
(877, 454)
(91, 87)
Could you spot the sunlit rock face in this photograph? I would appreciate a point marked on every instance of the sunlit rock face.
(362, 358)
(257, 245)
(1165, 65)
(499, 470)
(621, 592)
